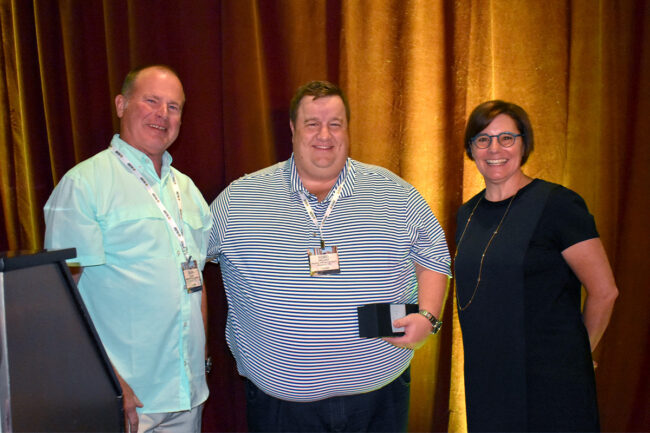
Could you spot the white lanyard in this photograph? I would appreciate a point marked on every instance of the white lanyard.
(177, 192)
(312, 215)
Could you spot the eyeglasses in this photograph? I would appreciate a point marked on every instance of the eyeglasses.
(505, 139)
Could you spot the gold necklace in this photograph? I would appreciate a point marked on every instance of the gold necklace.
(480, 269)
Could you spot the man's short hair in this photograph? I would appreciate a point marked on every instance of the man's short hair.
(130, 78)
(317, 89)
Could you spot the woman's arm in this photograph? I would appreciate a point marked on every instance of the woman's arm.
(588, 261)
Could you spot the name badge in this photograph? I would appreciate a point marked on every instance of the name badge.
(192, 276)
(323, 261)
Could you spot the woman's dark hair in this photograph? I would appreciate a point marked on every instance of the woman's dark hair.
(485, 113)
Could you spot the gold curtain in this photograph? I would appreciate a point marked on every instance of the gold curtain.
(413, 70)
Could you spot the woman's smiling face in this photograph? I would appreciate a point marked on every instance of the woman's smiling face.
(496, 163)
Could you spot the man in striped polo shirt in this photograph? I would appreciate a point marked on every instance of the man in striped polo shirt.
(301, 245)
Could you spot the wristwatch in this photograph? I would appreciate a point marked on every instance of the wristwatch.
(437, 324)
(208, 365)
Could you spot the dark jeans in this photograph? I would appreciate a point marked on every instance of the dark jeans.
(383, 410)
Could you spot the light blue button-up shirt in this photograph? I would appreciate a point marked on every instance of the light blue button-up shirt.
(132, 283)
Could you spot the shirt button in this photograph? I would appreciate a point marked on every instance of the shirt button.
(184, 324)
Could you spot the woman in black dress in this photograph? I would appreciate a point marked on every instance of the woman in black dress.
(524, 248)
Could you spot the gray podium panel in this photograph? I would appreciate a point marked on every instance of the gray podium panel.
(54, 373)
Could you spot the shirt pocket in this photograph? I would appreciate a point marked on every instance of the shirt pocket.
(133, 232)
(195, 229)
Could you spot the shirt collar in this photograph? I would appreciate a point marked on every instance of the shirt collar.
(141, 160)
(347, 175)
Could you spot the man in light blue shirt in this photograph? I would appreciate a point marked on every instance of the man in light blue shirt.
(141, 228)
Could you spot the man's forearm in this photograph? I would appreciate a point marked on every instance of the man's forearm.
(432, 288)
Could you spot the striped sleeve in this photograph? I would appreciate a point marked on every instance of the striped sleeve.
(219, 212)
(428, 242)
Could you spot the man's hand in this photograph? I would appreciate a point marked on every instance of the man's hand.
(130, 402)
(416, 330)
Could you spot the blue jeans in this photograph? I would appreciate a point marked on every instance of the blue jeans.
(383, 410)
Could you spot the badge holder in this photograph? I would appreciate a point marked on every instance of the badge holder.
(192, 276)
(323, 261)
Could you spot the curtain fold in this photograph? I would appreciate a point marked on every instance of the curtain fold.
(25, 136)
(412, 70)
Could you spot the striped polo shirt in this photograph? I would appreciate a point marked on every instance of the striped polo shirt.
(295, 336)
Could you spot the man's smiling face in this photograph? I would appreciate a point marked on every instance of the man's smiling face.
(150, 115)
(320, 138)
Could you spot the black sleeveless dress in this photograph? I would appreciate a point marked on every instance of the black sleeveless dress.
(528, 361)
